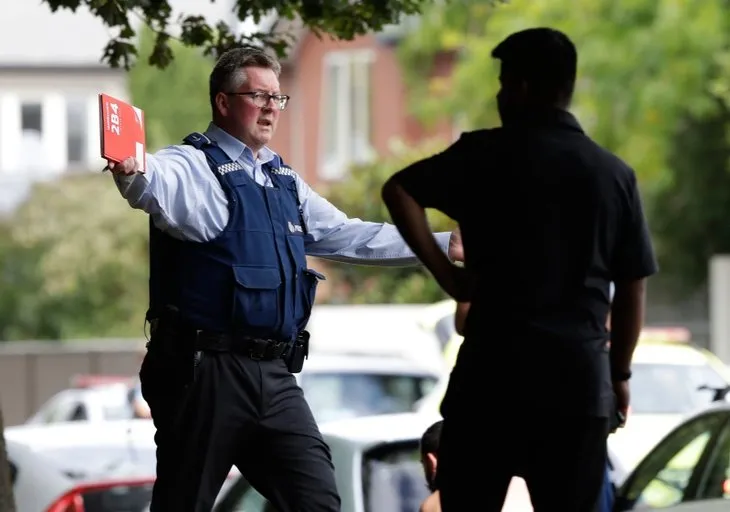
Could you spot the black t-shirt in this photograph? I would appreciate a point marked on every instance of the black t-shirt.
(548, 220)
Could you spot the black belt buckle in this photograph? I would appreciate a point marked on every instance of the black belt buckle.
(257, 348)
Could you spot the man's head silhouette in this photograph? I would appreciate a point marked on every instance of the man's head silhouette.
(429, 452)
(538, 69)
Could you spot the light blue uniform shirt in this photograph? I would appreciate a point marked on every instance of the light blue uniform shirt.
(185, 200)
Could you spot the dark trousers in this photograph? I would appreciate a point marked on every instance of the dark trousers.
(235, 411)
(562, 460)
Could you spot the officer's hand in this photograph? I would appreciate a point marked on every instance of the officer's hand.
(126, 168)
(456, 249)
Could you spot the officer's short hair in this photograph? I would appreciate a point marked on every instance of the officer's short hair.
(544, 57)
(431, 438)
(228, 73)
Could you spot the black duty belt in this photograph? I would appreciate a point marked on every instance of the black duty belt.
(258, 349)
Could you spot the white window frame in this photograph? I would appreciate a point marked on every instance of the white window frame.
(335, 165)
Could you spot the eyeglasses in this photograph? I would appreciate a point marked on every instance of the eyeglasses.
(262, 99)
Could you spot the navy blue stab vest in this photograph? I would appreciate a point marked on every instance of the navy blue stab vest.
(253, 277)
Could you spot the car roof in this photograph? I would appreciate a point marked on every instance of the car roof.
(374, 329)
(80, 433)
(371, 430)
(378, 364)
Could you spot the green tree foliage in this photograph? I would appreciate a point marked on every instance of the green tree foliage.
(650, 72)
(341, 19)
(175, 99)
(77, 268)
(359, 196)
(691, 210)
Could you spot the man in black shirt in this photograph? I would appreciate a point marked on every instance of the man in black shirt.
(548, 220)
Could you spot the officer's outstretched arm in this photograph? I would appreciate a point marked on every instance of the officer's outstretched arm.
(332, 235)
(173, 188)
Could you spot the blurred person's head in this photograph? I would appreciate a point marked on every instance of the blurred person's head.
(238, 75)
(429, 452)
(538, 70)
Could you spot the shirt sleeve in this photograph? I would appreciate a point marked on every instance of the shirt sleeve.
(181, 195)
(634, 256)
(333, 235)
(438, 181)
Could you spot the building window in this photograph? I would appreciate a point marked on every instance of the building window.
(32, 151)
(76, 122)
(31, 117)
(347, 111)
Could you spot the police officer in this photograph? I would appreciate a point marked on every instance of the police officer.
(548, 219)
(230, 295)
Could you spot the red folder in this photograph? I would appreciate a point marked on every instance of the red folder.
(122, 130)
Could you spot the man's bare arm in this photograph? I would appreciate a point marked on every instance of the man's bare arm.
(431, 504)
(627, 320)
(462, 309)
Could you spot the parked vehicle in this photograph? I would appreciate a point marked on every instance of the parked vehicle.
(39, 486)
(377, 468)
(337, 385)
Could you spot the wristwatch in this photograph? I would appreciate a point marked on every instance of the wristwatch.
(620, 376)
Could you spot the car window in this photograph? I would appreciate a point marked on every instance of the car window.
(62, 410)
(664, 477)
(334, 395)
(79, 413)
(671, 388)
(13, 472)
(393, 478)
(716, 484)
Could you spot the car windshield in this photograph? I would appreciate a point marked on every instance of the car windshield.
(671, 388)
(337, 395)
(393, 478)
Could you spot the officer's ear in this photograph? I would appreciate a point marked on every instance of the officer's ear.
(223, 104)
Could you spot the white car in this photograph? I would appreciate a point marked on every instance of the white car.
(85, 449)
(94, 404)
(82, 467)
(377, 468)
(340, 386)
(336, 385)
(38, 486)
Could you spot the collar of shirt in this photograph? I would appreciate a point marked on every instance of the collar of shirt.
(551, 117)
(237, 150)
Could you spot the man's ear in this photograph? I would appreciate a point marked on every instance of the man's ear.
(432, 462)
